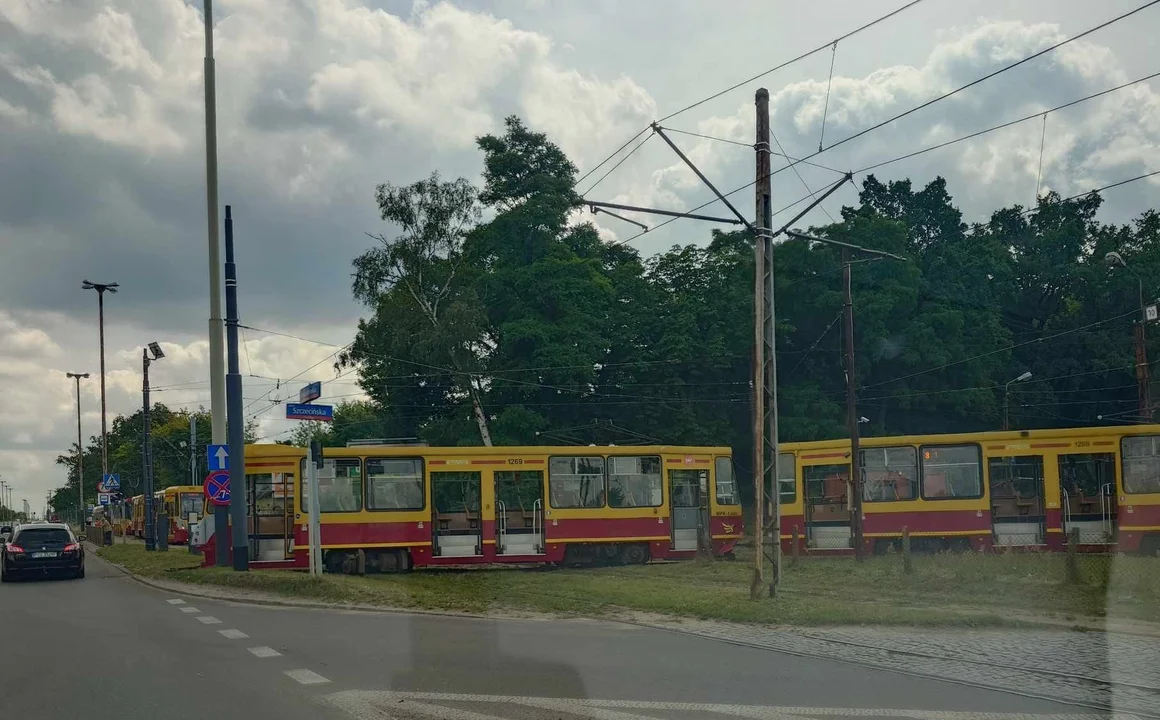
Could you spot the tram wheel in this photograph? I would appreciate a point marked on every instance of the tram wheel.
(636, 554)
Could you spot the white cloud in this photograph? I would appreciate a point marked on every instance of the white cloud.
(101, 122)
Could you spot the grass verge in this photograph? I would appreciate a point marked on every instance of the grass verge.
(944, 590)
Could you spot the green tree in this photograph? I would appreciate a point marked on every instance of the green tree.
(425, 316)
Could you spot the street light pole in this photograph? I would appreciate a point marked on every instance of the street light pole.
(217, 367)
(101, 289)
(1006, 398)
(80, 445)
(146, 450)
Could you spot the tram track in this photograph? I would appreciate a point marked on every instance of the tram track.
(1136, 699)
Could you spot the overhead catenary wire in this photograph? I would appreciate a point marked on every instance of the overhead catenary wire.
(791, 61)
(758, 76)
(750, 146)
(1003, 125)
(829, 86)
(800, 178)
(895, 117)
(618, 164)
(919, 152)
(1002, 349)
(992, 74)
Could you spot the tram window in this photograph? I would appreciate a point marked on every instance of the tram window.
(951, 472)
(635, 481)
(576, 482)
(1085, 475)
(726, 484)
(826, 484)
(395, 484)
(455, 491)
(1141, 458)
(786, 478)
(1017, 477)
(339, 486)
(686, 487)
(889, 473)
(519, 489)
(191, 503)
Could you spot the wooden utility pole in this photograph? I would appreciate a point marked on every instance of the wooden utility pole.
(852, 410)
(764, 369)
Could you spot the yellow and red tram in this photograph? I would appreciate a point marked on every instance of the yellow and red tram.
(1014, 489)
(407, 506)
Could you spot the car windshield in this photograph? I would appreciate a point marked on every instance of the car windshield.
(42, 537)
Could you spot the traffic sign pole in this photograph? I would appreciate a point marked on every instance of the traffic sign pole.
(315, 539)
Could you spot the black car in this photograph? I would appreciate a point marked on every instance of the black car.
(40, 549)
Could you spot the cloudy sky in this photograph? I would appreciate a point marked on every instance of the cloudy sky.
(102, 171)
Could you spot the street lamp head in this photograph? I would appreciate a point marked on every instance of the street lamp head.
(1114, 259)
(99, 287)
(77, 375)
(1024, 376)
(155, 349)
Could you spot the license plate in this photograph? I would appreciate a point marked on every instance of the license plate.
(43, 554)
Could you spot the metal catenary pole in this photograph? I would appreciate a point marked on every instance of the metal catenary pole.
(146, 464)
(851, 409)
(80, 446)
(237, 421)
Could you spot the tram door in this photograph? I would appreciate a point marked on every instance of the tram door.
(1087, 496)
(1018, 514)
(270, 510)
(827, 506)
(688, 492)
(519, 512)
(456, 526)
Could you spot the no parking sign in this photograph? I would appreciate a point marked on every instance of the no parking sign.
(217, 487)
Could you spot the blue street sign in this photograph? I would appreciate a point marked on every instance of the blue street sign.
(300, 411)
(217, 487)
(313, 391)
(103, 498)
(111, 482)
(218, 456)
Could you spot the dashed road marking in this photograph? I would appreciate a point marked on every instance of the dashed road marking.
(176, 601)
(233, 634)
(306, 677)
(188, 609)
(209, 620)
(264, 652)
(366, 704)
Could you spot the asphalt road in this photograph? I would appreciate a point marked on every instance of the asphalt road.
(109, 647)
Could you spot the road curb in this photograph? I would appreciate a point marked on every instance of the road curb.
(184, 589)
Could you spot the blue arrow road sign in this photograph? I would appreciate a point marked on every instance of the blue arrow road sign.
(219, 457)
(301, 411)
(111, 482)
